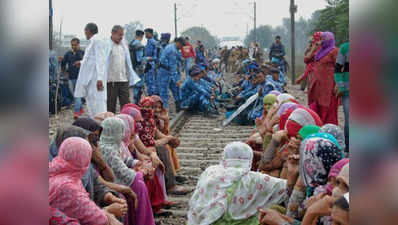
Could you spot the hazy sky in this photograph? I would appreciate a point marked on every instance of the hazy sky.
(220, 17)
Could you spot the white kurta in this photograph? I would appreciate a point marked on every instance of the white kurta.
(92, 69)
(131, 74)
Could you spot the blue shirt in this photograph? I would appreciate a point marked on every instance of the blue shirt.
(69, 59)
(247, 85)
(190, 87)
(53, 66)
(276, 84)
(169, 57)
(205, 84)
(276, 50)
(140, 52)
(200, 57)
(151, 49)
(247, 93)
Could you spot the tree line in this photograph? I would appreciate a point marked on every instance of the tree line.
(334, 18)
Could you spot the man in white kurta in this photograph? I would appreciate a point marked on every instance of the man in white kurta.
(119, 70)
(92, 77)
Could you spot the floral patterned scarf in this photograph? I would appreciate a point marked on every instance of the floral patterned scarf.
(146, 127)
(231, 188)
(66, 191)
(317, 156)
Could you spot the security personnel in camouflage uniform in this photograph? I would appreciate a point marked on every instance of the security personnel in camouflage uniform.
(137, 57)
(168, 71)
(151, 61)
(194, 96)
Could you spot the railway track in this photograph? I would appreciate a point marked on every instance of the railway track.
(202, 143)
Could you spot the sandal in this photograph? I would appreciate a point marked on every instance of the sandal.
(162, 213)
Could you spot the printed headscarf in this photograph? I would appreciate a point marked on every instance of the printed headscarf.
(159, 123)
(307, 130)
(335, 171)
(156, 99)
(129, 127)
(284, 117)
(131, 105)
(232, 188)
(299, 118)
(146, 101)
(275, 92)
(133, 112)
(286, 106)
(146, 128)
(329, 137)
(111, 142)
(283, 97)
(66, 191)
(336, 132)
(345, 174)
(72, 161)
(64, 133)
(147, 114)
(317, 156)
(337, 167)
(328, 44)
(113, 131)
(316, 37)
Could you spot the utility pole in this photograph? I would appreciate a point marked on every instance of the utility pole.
(254, 18)
(60, 32)
(175, 19)
(50, 38)
(293, 10)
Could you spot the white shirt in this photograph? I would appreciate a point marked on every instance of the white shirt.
(92, 69)
(117, 64)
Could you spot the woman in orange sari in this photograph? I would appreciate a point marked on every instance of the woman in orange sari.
(161, 117)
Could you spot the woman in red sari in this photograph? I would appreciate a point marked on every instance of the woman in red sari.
(152, 137)
(325, 101)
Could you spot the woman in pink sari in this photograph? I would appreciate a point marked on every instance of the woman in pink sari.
(66, 191)
(325, 102)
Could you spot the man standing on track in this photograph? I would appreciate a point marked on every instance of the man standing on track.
(137, 59)
(71, 65)
(151, 58)
(91, 78)
(168, 71)
(189, 55)
(120, 73)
